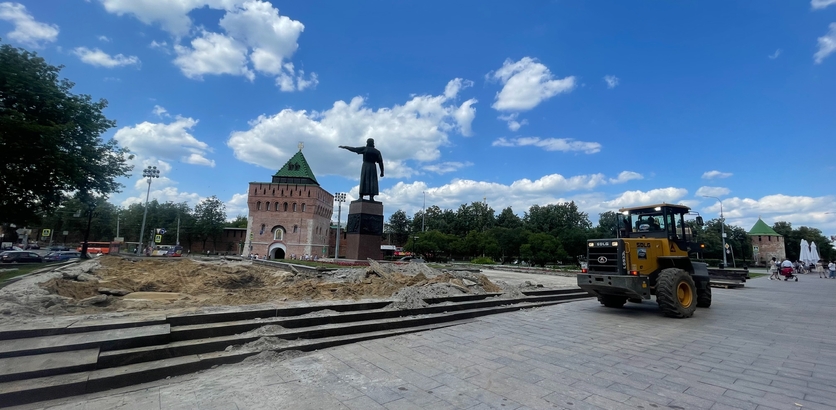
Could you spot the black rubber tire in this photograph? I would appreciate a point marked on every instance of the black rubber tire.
(704, 297)
(612, 301)
(666, 293)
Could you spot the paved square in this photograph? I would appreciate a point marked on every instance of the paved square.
(771, 345)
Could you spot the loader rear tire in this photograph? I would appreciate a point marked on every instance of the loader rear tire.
(704, 297)
(611, 301)
(676, 293)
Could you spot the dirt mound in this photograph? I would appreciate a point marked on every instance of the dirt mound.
(228, 282)
(71, 288)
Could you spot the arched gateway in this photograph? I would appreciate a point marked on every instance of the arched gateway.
(277, 251)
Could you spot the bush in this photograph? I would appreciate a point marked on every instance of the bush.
(482, 261)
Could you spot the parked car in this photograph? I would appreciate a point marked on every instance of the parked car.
(20, 257)
(61, 256)
(12, 248)
(59, 248)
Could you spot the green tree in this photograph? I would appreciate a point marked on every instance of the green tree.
(210, 216)
(50, 140)
(542, 248)
(508, 219)
(399, 227)
(607, 225)
(240, 221)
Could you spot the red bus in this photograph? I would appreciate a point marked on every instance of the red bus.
(101, 247)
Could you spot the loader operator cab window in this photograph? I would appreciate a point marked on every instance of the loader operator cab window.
(649, 223)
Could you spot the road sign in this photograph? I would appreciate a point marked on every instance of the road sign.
(162, 231)
(65, 233)
(46, 233)
(158, 238)
(727, 246)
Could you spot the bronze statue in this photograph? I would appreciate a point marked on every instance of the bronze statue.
(368, 174)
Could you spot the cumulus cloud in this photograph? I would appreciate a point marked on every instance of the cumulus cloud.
(167, 141)
(625, 176)
(213, 53)
(716, 174)
(290, 80)
(237, 205)
(445, 167)
(160, 111)
(425, 121)
(668, 195)
(511, 119)
(611, 80)
(272, 37)
(827, 44)
(26, 30)
(776, 54)
(97, 57)
(105, 39)
(799, 210)
(550, 144)
(712, 191)
(171, 15)
(527, 83)
(820, 4)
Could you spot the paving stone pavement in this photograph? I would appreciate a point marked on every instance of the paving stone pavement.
(771, 345)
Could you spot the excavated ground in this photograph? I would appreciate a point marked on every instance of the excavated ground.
(124, 284)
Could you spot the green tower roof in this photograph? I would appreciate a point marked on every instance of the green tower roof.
(295, 171)
(762, 229)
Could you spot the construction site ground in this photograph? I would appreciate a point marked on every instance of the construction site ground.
(770, 345)
(118, 287)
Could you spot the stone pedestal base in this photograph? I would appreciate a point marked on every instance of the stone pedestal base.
(364, 231)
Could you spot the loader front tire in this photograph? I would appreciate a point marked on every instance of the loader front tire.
(676, 293)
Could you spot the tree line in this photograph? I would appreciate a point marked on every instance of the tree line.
(554, 234)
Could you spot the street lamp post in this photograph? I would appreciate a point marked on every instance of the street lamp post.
(150, 173)
(722, 228)
(340, 198)
(424, 211)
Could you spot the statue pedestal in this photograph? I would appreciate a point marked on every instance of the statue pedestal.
(364, 231)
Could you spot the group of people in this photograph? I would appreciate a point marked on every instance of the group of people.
(787, 268)
(304, 257)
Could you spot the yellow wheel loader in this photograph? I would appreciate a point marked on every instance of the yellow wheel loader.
(649, 256)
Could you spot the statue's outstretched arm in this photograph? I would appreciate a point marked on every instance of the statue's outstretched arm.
(356, 150)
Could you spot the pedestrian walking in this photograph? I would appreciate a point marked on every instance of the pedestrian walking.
(819, 268)
(773, 269)
(832, 267)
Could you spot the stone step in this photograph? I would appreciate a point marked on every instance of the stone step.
(48, 364)
(102, 339)
(53, 387)
(61, 326)
(319, 331)
(213, 317)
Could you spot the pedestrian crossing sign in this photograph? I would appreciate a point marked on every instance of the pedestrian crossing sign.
(158, 238)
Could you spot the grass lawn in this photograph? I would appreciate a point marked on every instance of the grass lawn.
(20, 270)
(756, 275)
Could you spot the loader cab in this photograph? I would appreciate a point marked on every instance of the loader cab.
(656, 221)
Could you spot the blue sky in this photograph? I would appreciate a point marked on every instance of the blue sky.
(607, 103)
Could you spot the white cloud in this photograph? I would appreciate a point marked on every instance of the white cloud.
(213, 53)
(164, 194)
(105, 39)
(625, 176)
(237, 205)
(172, 15)
(527, 83)
(453, 87)
(798, 210)
(827, 44)
(550, 144)
(668, 195)
(160, 111)
(445, 167)
(820, 4)
(160, 46)
(712, 191)
(272, 37)
(716, 174)
(776, 54)
(611, 80)
(511, 119)
(27, 31)
(99, 58)
(405, 134)
(464, 116)
(170, 141)
(288, 83)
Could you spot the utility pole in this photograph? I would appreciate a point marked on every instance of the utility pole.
(178, 228)
(722, 228)
(424, 211)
